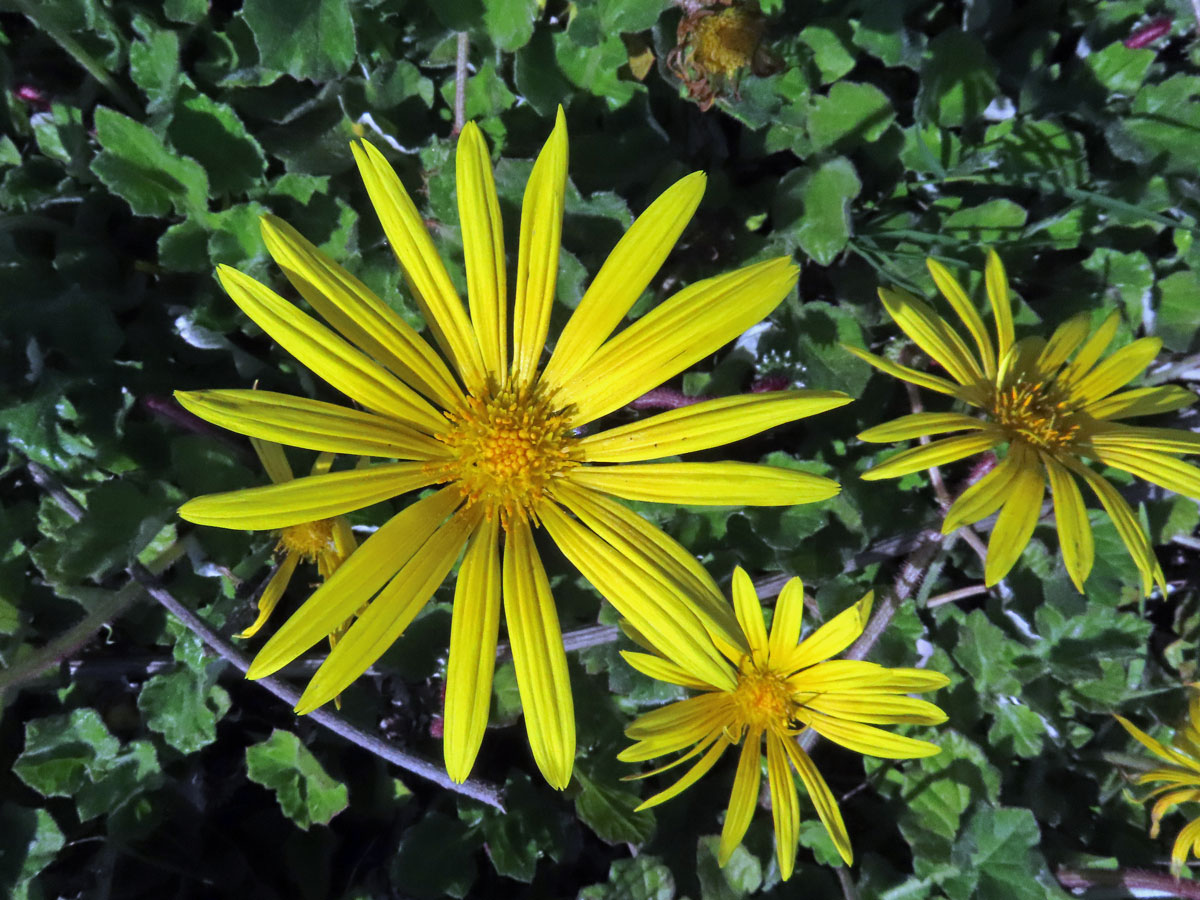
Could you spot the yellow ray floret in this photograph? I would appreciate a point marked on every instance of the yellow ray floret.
(1178, 781)
(501, 443)
(1052, 405)
(771, 689)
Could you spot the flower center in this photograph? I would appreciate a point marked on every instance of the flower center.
(507, 446)
(1037, 413)
(763, 699)
(725, 41)
(308, 539)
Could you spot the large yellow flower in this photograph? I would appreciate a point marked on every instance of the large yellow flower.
(1053, 403)
(774, 687)
(1180, 779)
(504, 439)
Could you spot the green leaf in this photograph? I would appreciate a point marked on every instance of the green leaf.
(304, 38)
(32, 839)
(595, 69)
(996, 859)
(851, 111)
(741, 876)
(1165, 119)
(212, 134)
(987, 655)
(1178, 312)
(609, 812)
(958, 79)
(825, 227)
(510, 22)
(1016, 727)
(184, 707)
(305, 792)
(486, 96)
(829, 40)
(189, 11)
(1120, 69)
(136, 165)
(989, 223)
(532, 826)
(435, 859)
(642, 878)
(154, 65)
(63, 753)
(629, 15)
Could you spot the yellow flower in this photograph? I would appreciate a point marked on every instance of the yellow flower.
(504, 439)
(723, 42)
(1180, 779)
(1053, 403)
(327, 542)
(774, 687)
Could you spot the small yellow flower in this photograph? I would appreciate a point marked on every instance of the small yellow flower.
(1180, 779)
(774, 689)
(725, 41)
(327, 542)
(1053, 403)
(500, 432)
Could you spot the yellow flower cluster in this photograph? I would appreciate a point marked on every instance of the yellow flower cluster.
(487, 440)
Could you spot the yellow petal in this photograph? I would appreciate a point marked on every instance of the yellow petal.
(329, 356)
(1018, 517)
(785, 806)
(1150, 401)
(1116, 371)
(700, 747)
(1174, 798)
(353, 584)
(962, 304)
(687, 327)
(710, 423)
(919, 425)
(749, 614)
(390, 612)
(663, 670)
(935, 453)
(311, 424)
(744, 797)
(358, 314)
(305, 499)
(996, 282)
(785, 625)
(694, 774)
(426, 275)
(1074, 529)
(474, 626)
(859, 676)
(876, 709)
(867, 739)
(1128, 527)
(483, 249)
(650, 605)
(1157, 468)
(1133, 438)
(1066, 339)
(537, 259)
(706, 484)
(905, 373)
(274, 460)
(1091, 351)
(983, 497)
(1188, 841)
(830, 639)
(623, 277)
(646, 545)
(822, 800)
(680, 724)
(271, 594)
(539, 657)
(931, 333)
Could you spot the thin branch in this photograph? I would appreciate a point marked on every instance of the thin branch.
(460, 82)
(1130, 880)
(477, 790)
(579, 639)
(849, 889)
(961, 594)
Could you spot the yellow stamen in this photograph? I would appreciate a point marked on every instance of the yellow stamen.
(725, 42)
(507, 445)
(763, 699)
(308, 540)
(1037, 413)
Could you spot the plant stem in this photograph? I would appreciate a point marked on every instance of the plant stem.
(477, 790)
(460, 82)
(960, 594)
(1129, 880)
